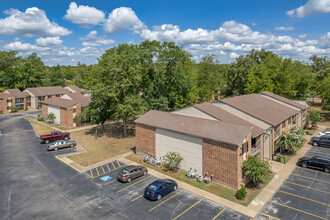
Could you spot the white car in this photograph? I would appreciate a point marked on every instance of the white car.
(326, 131)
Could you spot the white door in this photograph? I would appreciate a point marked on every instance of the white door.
(267, 146)
(190, 148)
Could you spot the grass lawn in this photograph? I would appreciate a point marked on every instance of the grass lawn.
(108, 144)
(40, 128)
(212, 188)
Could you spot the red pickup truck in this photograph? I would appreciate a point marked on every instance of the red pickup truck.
(55, 135)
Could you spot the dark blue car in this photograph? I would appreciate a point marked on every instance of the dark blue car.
(159, 188)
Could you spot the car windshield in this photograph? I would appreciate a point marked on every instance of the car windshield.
(152, 187)
(124, 171)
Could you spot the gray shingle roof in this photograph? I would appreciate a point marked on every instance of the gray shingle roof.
(200, 127)
(262, 108)
(285, 100)
(226, 116)
(50, 90)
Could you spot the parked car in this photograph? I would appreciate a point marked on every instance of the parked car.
(55, 135)
(323, 140)
(61, 144)
(326, 131)
(316, 162)
(128, 173)
(159, 188)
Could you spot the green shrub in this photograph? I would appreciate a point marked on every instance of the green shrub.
(13, 109)
(51, 117)
(172, 161)
(256, 169)
(40, 118)
(241, 193)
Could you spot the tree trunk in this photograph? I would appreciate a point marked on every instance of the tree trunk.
(125, 127)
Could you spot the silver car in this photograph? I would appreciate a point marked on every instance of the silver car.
(128, 173)
(61, 144)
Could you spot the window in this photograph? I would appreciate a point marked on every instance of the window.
(8, 100)
(49, 96)
(19, 101)
(58, 96)
(74, 110)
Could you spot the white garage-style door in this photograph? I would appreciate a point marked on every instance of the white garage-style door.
(190, 148)
(56, 111)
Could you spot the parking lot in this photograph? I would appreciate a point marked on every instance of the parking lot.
(36, 184)
(305, 194)
(131, 204)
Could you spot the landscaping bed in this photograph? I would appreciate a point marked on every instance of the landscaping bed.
(214, 188)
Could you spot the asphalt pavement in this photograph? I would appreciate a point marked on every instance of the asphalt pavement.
(34, 184)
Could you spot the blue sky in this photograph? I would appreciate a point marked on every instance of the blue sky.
(66, 32)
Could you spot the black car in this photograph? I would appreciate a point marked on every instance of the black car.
(323, 140)
(316, 162)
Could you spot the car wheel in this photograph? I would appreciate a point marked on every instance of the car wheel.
(72, 145)
(175, 188)
(145, 173)
(129, 179)
(159, 197)
(304, 165)
(315, 144)
(55, 148)
(327, 170)
(47, 141)
(66, 138)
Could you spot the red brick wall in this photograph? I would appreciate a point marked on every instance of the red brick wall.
(78, 112)
(222, 160)
(145, 139)
(44, 110)
(66, 116)
(3, 106)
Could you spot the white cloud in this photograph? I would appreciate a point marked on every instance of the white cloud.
(310, 8)
(283, 28)
(90, 35)
(302, 36)
(121, 19)
(233, 55)
(48, 41)
(32, 22)
(19, 46)
(325, 41)
(84, 15)
(92, 40)
(254, 24)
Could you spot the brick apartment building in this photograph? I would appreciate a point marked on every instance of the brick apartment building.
(39, 94)
(217, 137)
(65, 108)
(32, 97)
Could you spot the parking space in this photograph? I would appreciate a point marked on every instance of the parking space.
(130, 203)
(305, 194)
(107, 168)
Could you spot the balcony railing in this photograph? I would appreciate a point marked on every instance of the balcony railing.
(255, 150)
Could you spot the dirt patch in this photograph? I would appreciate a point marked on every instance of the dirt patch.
(109, 143)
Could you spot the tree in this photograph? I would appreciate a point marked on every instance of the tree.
(13, 109)
(314, 117)
(324, 90)
(51, 117)
(292, 139)
(256, 169)
(208, 79)
(131, 107)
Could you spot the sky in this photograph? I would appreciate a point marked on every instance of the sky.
(67, 32)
